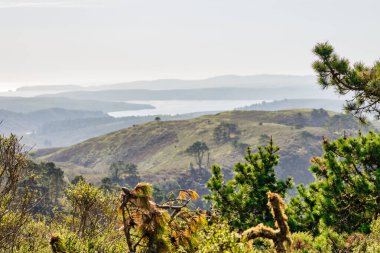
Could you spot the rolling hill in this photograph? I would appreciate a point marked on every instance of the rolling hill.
(158, 148)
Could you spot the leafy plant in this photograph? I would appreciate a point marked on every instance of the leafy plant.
(92, 210)
(15, 197)
(158, 227)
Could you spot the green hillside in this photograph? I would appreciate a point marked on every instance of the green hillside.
(158, 148)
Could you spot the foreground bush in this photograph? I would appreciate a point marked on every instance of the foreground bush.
(372, 242)
(346, 193)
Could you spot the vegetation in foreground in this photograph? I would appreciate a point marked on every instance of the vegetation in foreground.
(336, 213)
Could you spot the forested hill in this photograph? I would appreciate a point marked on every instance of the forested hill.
(158, 148)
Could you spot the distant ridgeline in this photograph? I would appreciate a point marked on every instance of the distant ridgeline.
(287, 104)
(43, 88)
(227, 93)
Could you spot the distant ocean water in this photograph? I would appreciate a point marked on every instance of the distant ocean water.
(174, 107)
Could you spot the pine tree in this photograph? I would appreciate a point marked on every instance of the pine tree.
(57, 182)
(361, 81)
(243, 200)
(346, 193)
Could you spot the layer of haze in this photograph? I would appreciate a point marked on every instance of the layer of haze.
(104, 41)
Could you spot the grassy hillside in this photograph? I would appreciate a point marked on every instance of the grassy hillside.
(62, 133)
(158, 148)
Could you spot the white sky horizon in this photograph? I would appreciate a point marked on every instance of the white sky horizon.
(93, 42)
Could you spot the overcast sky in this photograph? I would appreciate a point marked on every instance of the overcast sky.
(102, 41)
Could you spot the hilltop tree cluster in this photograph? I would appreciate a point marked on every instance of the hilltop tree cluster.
(226, 132)
(198, 150)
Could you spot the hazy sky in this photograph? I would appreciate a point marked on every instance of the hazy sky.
(101, 41)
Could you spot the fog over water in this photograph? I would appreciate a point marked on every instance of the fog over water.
(173, 107)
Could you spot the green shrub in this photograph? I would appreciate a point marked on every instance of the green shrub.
(372, 242)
